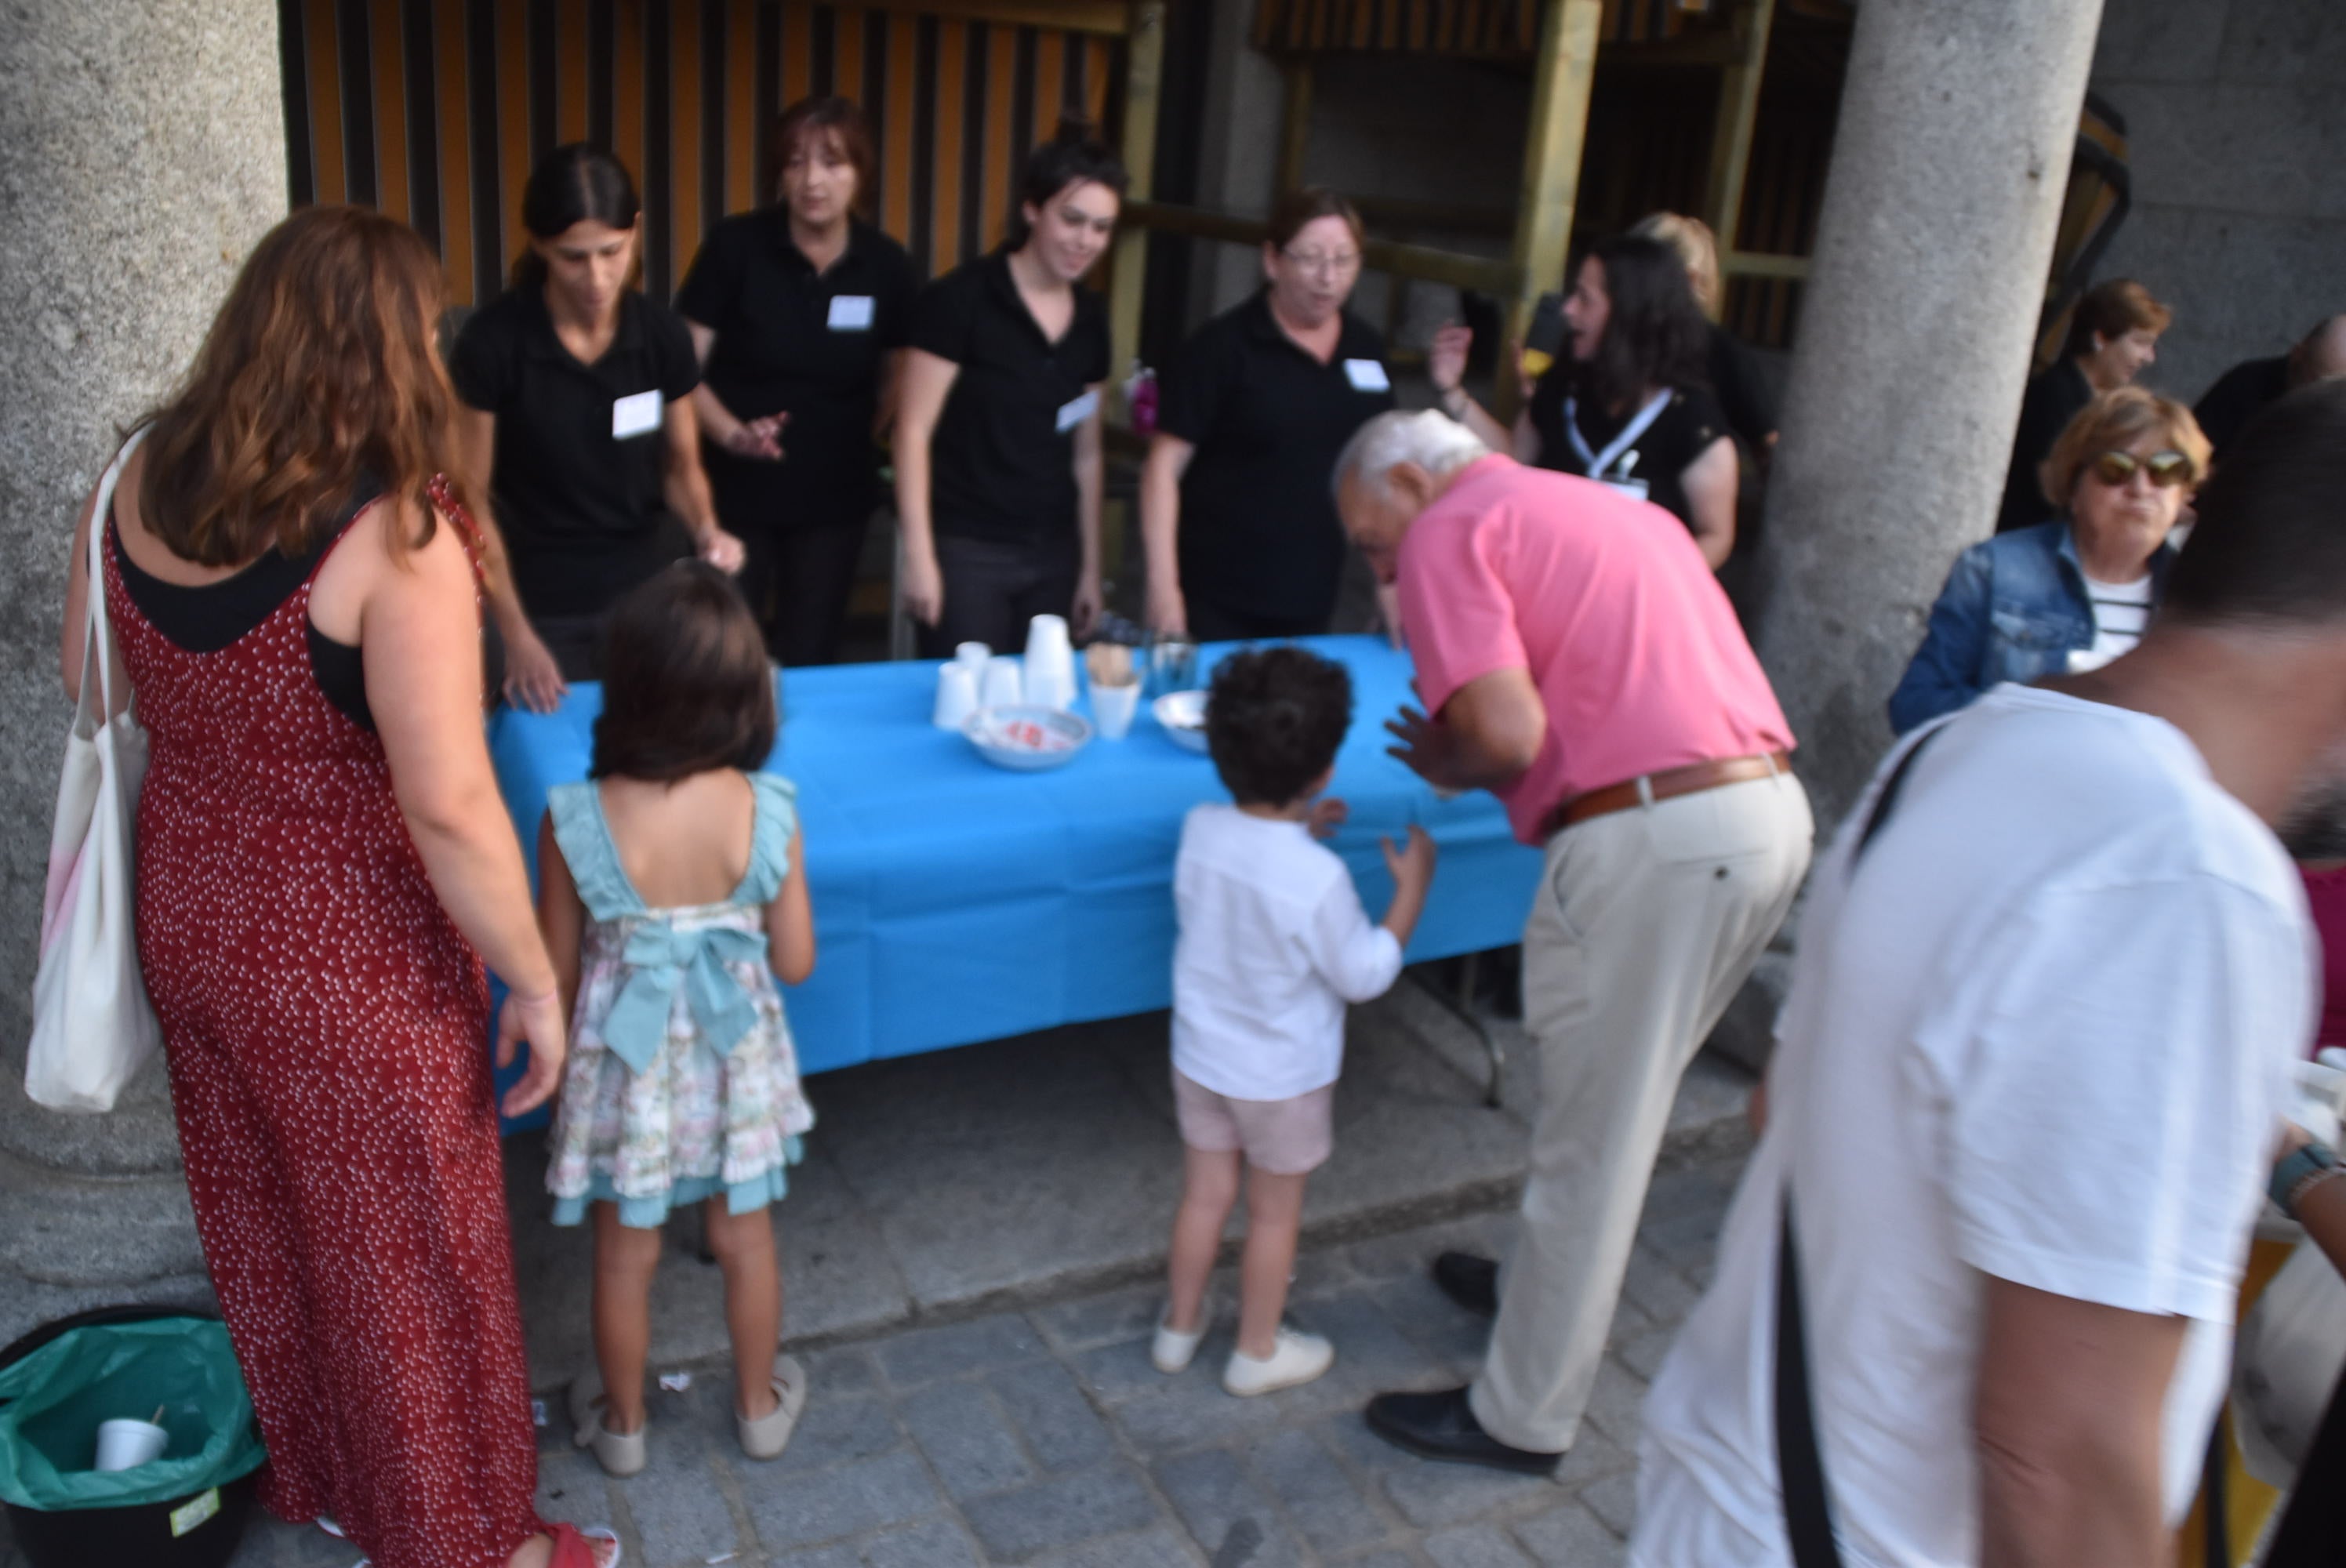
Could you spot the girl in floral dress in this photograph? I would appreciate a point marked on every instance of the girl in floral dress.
(673, 894)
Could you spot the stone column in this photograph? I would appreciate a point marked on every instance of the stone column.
(142, 152)
(1948, 169)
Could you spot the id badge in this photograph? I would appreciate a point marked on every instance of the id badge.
(851, 313)
(1367, 375)
(1072, 414)
(636, 415)
(1635, 489)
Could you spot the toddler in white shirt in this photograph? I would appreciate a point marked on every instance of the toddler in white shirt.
(1273, 944)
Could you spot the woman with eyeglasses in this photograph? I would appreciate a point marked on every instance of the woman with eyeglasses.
(1240, 526)
(2073, 593)
(1629, 404)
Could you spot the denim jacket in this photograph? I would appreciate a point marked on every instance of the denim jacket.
(2013, 608)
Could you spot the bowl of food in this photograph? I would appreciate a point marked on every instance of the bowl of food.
(1028, 739)
(1183, 716)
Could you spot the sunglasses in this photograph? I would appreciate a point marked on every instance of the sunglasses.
(2166, 469)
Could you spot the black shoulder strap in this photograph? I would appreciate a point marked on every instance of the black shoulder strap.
(1800, 1464)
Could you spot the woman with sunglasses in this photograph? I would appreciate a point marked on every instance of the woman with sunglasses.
(1241, 529)
(2073, 593)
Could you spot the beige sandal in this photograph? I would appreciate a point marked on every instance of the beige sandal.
(769, 1434)
(620, 1454)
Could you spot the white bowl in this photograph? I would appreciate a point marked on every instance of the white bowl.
(1027, 738)
(1182, 714)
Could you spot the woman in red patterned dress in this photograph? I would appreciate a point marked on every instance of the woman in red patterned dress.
(323, 864)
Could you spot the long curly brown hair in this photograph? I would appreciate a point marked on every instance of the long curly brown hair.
(322, 367)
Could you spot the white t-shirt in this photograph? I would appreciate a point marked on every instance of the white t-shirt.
(2043, 1036)
(2121, 611)
(1273, 944)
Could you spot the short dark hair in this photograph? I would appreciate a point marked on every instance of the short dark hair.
(686, 684)
(1075, 157)
(839, 119)
(2114, 307)
(1274, 719)
(1307, 206)
(1654, 334)
(575, 183)
(2270, 546)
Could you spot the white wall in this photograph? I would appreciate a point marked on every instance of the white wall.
(2236, 117)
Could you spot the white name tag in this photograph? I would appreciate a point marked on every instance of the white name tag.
(1367, 375)
(1073, 413)
(1633, 488)
(851, 313)
(635, 415)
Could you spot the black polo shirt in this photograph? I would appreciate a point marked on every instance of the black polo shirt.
(1681, 432)
(2238, 395)
(1259, 535)
(1002, 459)
(811, 345)
(2051, 402)
(577, 485)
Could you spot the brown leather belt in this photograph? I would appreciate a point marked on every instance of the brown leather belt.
(1667, 784)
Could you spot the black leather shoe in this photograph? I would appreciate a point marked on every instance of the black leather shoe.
(1473, 1282)
(1442, 1426)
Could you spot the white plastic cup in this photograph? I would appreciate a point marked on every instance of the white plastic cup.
(1047, 635)
(1050, 663)
(1002, 686)
(125, 1444)
(1113, 708)
(956, 696)
(972, 656)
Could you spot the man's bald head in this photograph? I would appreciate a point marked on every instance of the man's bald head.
(2322, 356)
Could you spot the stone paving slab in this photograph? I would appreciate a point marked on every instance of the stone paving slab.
(1042, 1437)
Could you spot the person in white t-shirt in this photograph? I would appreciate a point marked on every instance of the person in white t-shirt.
(1273, 944)
(2027, 1088)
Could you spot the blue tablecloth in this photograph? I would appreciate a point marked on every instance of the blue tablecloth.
(957, 901)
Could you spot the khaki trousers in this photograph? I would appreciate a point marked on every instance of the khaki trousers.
(1646, 922)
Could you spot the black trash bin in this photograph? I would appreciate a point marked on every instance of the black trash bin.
(201, 1529)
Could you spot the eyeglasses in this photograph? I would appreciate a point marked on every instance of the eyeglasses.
(2166, 469)
(1337, 264)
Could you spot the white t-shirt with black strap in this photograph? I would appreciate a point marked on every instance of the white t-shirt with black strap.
(2047, 1044)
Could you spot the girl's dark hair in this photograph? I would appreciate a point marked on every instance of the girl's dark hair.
(1274, 719)
(686, 684)
(829, 117)
(1309, 205)
(1075, 157)
(571, 184)
(1654, 334)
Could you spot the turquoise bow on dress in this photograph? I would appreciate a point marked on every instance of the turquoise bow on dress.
(663, 957)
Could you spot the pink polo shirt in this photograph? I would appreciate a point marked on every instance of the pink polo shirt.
(1610, 606)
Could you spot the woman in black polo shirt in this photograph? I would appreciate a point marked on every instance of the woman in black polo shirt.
(998, 468)
(1241, 529)
(798, 311)
(1630, 404)
(579, 427)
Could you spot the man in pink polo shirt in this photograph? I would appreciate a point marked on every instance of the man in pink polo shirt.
(1577, 658)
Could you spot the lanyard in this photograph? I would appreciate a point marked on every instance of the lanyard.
(1599, 462)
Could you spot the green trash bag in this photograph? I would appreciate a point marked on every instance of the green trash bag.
(52, 1402)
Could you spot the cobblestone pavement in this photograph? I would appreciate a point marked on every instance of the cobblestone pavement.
(1043, 1436)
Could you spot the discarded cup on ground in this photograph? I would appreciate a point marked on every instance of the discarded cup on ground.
(128, 1444)
(1113, 708)
(1002, 686)
(956, 696)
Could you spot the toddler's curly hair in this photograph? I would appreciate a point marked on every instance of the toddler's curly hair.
(1274, 719)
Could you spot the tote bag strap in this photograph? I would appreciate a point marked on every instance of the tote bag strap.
(1799, 1462)
(97, 645)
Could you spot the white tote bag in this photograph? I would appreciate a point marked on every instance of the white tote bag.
(93, 1027)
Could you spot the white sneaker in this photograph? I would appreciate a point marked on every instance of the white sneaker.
(1173, 1349)
(1295, 1357)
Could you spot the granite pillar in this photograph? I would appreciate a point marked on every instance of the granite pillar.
(142, 152)
(1956, 125)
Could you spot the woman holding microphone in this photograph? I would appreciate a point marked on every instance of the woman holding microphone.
(578, 427)
(1241, 529)
(799, 312)
(998, 466)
